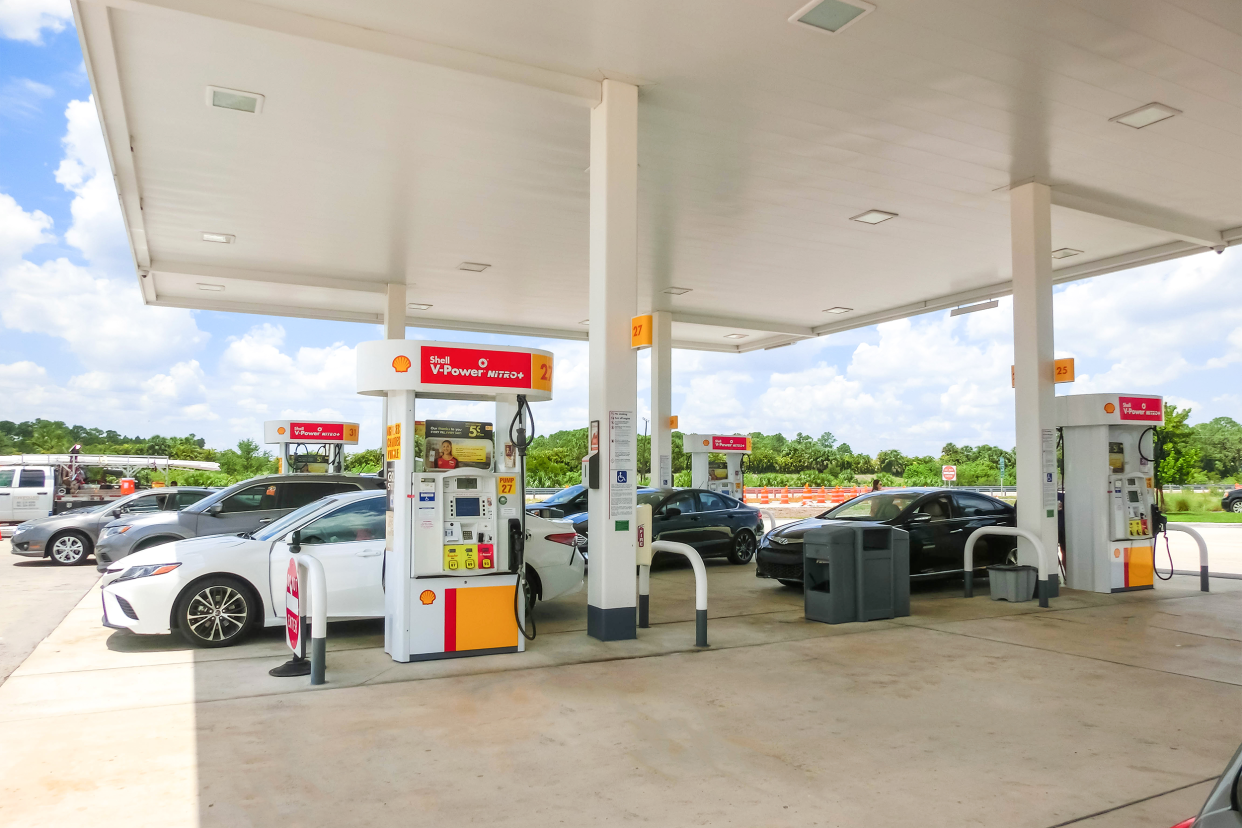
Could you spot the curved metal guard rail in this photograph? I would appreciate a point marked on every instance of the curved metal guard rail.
(1042, 554)
(318, 584)
(700, 585)
(1203, 555)
(768, 517)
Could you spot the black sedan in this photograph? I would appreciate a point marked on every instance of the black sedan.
(939, 522)
(713, 523)
(568, 501)
(1232, 500)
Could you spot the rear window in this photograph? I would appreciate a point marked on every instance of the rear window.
(33, 478)
(186, 498)
(973, 505)
(299, 494)
(252, 499)
(712, 502)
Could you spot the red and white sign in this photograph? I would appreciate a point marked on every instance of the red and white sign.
(723, 443)
(317, 431)
(293, 608)
(1143, 409)
(495, 369)
(948, 472)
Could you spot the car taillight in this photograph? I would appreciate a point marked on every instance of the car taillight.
(1187, 824)
(567, 538)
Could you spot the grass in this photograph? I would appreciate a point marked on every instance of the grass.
(1205, 517)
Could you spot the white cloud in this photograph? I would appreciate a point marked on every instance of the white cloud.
(97, 230)
(26, 19)
(20, 97)
(21, 232)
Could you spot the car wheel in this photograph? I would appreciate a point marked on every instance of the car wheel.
(743, 551)
(216, 612)
(69, 549)
(530, 589)
(1237, 506)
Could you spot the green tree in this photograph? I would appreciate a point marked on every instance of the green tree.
(246, 461)
(1220, 446)
(1178, 453)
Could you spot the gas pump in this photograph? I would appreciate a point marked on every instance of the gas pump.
(1108, 449)
(310, 446)
(454, 564)
(703, 475)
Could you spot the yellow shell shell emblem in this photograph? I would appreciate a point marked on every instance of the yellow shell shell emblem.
(401, 364)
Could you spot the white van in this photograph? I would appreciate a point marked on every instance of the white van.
(25, 492)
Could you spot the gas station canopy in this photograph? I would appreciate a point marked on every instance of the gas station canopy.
(294, 158)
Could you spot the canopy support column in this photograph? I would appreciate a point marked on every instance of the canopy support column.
(1030, 216)
(394, 328)
(611, 597)
(661, 398)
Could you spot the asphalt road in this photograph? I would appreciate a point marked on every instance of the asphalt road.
(35, 596)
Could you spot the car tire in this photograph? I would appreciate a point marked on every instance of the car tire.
(531, 588)
(69, 549)
(1237, 506)
(789, 583)
(218, 611)
(744, 547)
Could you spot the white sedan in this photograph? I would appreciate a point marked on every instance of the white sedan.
(216, 589)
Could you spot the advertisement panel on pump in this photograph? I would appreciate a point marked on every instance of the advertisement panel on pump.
(456, 444)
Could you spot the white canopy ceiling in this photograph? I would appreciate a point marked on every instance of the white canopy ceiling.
(398, 140)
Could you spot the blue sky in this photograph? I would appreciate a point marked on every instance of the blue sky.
(78, 345)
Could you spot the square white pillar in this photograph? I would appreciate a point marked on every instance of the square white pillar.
(661, 398)
(611, 585)
(394, 328)
(398, 564)
(1030, 217)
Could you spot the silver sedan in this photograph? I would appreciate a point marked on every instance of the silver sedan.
(70, 537)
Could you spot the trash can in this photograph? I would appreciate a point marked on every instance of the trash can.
(855, 572)
(1012, 582)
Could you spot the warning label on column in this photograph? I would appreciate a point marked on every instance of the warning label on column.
(1049, 471)
(622, 476)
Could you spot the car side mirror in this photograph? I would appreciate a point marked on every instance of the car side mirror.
(671, 511)
(295, 541)
(116, 513)
(215, 508)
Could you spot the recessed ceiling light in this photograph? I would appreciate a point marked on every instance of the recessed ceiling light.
(676, 291)
(736, 336)
(234, 99)
(991, 303)
(837, 310)
(831, 16)
(1065, 253)
(219, 238)
(873, 216)
(208, 286)
(585, 322)
(1146, 115)
(473, 267)
(417, 306)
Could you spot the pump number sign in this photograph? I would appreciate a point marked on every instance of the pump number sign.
(293, 607)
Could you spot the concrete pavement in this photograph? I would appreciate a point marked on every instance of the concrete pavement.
(967, 712)
(35, 596)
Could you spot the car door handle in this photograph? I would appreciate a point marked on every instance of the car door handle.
(369, 553)
(954, 531)
(265, 520)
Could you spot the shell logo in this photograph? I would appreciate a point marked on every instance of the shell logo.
(401, 364)
(280, 430)
(707, 442)
(1109, 408)
(427, 597)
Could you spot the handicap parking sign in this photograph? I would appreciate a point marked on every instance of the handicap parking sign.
(621, 477)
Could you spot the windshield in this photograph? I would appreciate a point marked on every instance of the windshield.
(876, 506)
(279, 527)
(651, 499)
(563, 496)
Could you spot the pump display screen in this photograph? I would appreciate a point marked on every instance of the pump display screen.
(1134, 497)
(466, 506)
(467, 483)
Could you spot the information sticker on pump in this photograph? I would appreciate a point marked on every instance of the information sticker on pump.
(461, 558)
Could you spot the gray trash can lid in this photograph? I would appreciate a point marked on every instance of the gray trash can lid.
(1013, 568)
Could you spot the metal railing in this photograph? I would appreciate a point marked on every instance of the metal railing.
(700, 588)
(1045, 566)
(317, 581)
(1203, 553)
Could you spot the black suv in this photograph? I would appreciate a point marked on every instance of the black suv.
(1232, 501)
(939, 522)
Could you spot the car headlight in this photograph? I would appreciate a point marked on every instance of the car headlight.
(145, 571)
(22, 527)
(116, 530)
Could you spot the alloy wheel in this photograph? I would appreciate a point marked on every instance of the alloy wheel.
(68, 550)
(217, 613)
